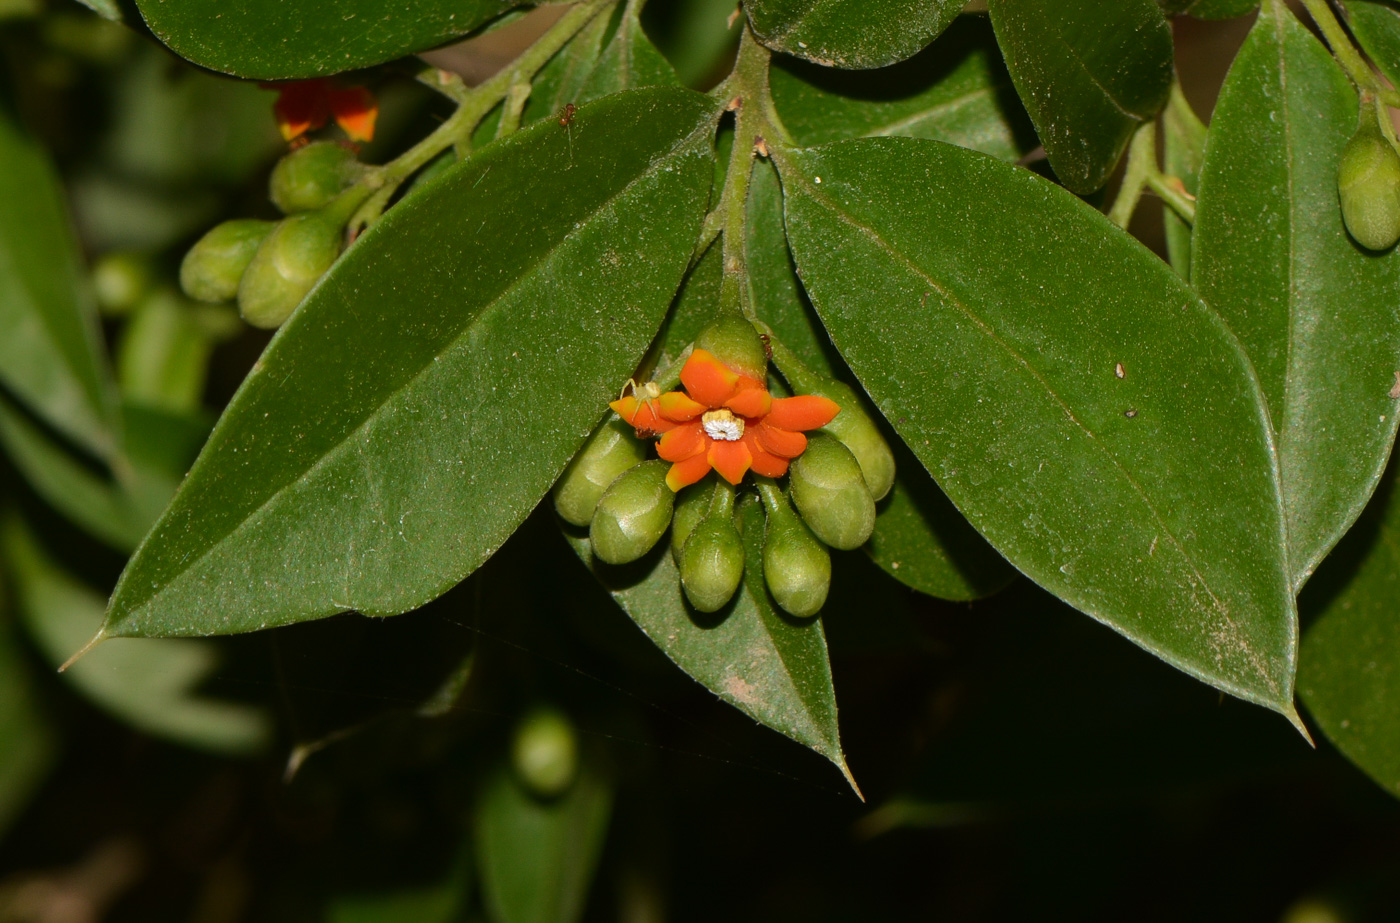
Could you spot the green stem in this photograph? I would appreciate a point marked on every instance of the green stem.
(1169, 191)
(771, 495)
(514, 106)
(1346, 53)
(722, 500)
(1142, 162)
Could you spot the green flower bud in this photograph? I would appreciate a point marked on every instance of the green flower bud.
(712, 561)
(830, 492)
(544, 751)
(692, 504)
(633, 513)
(309, 177)
(796, 566)
(611, 450)
(120, 281)
(1368, 184)
(214, 266)
(731, 339)
(287, 264)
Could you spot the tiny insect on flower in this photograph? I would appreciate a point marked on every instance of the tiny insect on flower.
(306, 105)
(723, 420)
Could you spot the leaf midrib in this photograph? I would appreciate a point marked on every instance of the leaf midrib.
(187, 562)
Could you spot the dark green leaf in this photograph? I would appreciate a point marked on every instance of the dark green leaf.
(956, 91)
(1376, 25)
(149, 683)
(275, 40)
(986, 311)
(1089, 73)
(420, 402)
(1222, 9)
(770, 666)
(1349, 667)
(629, 61)
(920, 538)
(25, 737)
(850, 33)
(536, 858)
(1314, 311)
(1183, 147)
(49, 343)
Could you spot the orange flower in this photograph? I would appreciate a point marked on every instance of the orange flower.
(307, 104)
(723, 420)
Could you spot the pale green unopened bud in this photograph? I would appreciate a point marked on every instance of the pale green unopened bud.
(633, 513)
(712, 561)
(214, 266)
(309, 177)
(731, 339)
(544, 751)
(611, 450)
(692, 503)
(830, 492)
(1368, 185)
(120, 281)
(796, 566)
(287, 264)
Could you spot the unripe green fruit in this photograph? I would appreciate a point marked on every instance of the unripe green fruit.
(1368, 185)
(287, 264)
(692, 504)
(859, 433)
(213, 268)
(633, 513)
(309, 177)
(796, 567)
(120, 281)
(830, 492)
(712, 561)
(731, 339)
(544, 752)
(611, 450)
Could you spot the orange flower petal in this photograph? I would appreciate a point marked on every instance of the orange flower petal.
(708, 380)
(355, 111)
(769, 466)
(806, 411)
(730, 459)
(641, 415)
(685, 473)
(750, 402)
(782, 442)
(682, 442)
(300, 107)
(678, 407)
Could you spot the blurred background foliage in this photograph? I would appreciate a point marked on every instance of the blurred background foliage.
(1018, 760)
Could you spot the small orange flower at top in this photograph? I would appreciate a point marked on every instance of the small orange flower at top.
(307, 105)
(723, 420)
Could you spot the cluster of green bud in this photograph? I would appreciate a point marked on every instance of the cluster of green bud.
(270, 266)
(544, 751)
(711, 558)
(1368, 180)
(633, 513)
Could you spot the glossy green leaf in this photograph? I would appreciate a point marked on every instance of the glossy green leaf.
(26, 739)
(770, 666)
(1314, 311)
(536, 858)
(148, 683)
(50, 356)
(1376, 25)
(920, 538)
(1183, 148)
(850, 33)
(1209, 9)
(956, 91)
(423, 398)
(629, 61)
(986, 316)
(1089, 73)
(273, 40)
(1349, 666)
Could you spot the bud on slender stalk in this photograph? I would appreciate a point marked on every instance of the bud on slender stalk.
(612, 449)
(1368, 183)
(796, 566)
(214, 266)
(544, 751)
(309, 177)
(121, 281)
(830, 492)
(712, 561)
(633, 513)
(731, 339)
(692, 503)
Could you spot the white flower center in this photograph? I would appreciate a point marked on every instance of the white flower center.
(722, 425)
